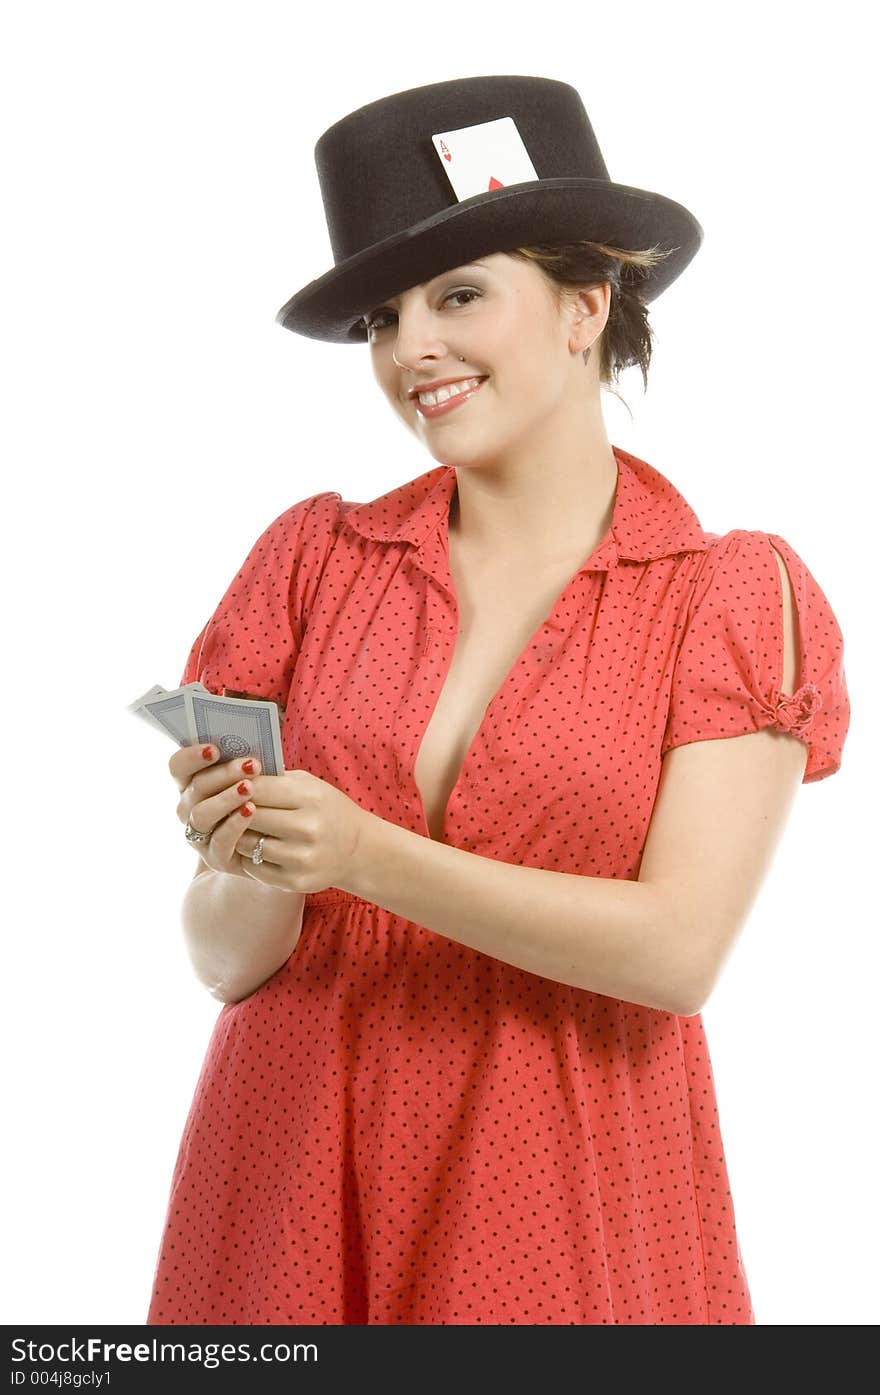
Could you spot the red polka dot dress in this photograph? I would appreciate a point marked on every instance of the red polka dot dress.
(396, 1128)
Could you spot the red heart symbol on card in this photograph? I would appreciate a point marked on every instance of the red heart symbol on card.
(495, 183)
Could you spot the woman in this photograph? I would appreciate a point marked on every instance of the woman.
(464, 941)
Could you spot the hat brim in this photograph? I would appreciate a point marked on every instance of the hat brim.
(544, 210)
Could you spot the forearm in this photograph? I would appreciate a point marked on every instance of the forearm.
(238, 931)
(609, 936)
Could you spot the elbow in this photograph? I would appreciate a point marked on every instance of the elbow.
(235, 991)
(222, 984)
(226, 993)
(687, 1007)
(693, 989)
(672, 977)
(221, 993)
(211, 977)
(683, 998)
(695, 943)
(219, 989)
(690, 993)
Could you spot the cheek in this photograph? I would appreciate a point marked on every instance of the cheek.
(524, 382)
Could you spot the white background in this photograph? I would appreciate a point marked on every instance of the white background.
(162, 204)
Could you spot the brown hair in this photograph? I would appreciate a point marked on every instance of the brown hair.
(627, 336)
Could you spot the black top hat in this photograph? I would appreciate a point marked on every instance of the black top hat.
(430, 178)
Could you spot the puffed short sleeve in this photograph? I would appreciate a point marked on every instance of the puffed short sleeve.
(251, 642)
(727, 676)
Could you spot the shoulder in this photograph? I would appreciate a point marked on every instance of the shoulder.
(747, 563)
(324, 509)
(307, 526)
(738, 545)
(759, 567)
(297, 542)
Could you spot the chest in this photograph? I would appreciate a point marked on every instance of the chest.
(500, 611)
(515, 712)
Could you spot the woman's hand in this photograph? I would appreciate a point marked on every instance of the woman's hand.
(311, 833)
(215, 798)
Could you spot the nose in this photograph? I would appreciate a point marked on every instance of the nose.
(417, 338)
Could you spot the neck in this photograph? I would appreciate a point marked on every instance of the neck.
(547, 513)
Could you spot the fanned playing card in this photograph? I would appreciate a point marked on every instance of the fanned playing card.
(240, 725)
(483, 157)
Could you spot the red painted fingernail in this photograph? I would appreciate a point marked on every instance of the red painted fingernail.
(208, 752)
(248, 767)
(246, 810)
(243, 788)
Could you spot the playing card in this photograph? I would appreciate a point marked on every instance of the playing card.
(238, 726)
(168, 712)
(483, 157)
(139, 709)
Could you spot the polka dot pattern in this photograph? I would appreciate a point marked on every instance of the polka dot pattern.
(396, 1128)
(728, 670)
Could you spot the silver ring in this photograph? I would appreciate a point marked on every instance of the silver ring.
(257, 854)
(194, 836)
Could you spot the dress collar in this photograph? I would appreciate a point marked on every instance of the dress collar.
(650, 518)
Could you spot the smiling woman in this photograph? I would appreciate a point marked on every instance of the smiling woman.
(494, 371)
(503, 359)
(542, 734)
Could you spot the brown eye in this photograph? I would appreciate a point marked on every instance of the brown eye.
(379, 320)
(453, 295)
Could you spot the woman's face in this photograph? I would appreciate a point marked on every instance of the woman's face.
(499, 315)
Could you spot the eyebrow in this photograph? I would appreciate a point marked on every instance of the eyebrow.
(463, 267)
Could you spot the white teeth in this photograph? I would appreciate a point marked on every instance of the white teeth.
(430, 399)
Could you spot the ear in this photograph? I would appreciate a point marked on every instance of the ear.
(588, 309)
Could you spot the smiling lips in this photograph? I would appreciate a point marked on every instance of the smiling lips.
(446, 399)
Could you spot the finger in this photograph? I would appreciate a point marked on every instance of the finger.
(272, 847)
(205, 815)
(220, 778)
(265, 872)
(186, 761)
(285, 831)
(278, 823)
(191, 762)
(283, 834)
(224, 838)
(292, 790)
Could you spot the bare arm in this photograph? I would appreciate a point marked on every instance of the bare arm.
(238, 931)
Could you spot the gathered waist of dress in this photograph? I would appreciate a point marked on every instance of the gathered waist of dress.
(331, 896)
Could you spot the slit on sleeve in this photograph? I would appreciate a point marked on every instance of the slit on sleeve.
(727, 676)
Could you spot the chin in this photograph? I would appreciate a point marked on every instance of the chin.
(462, 459)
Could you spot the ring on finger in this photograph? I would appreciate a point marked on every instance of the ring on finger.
(194, 836)
(257, 854)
